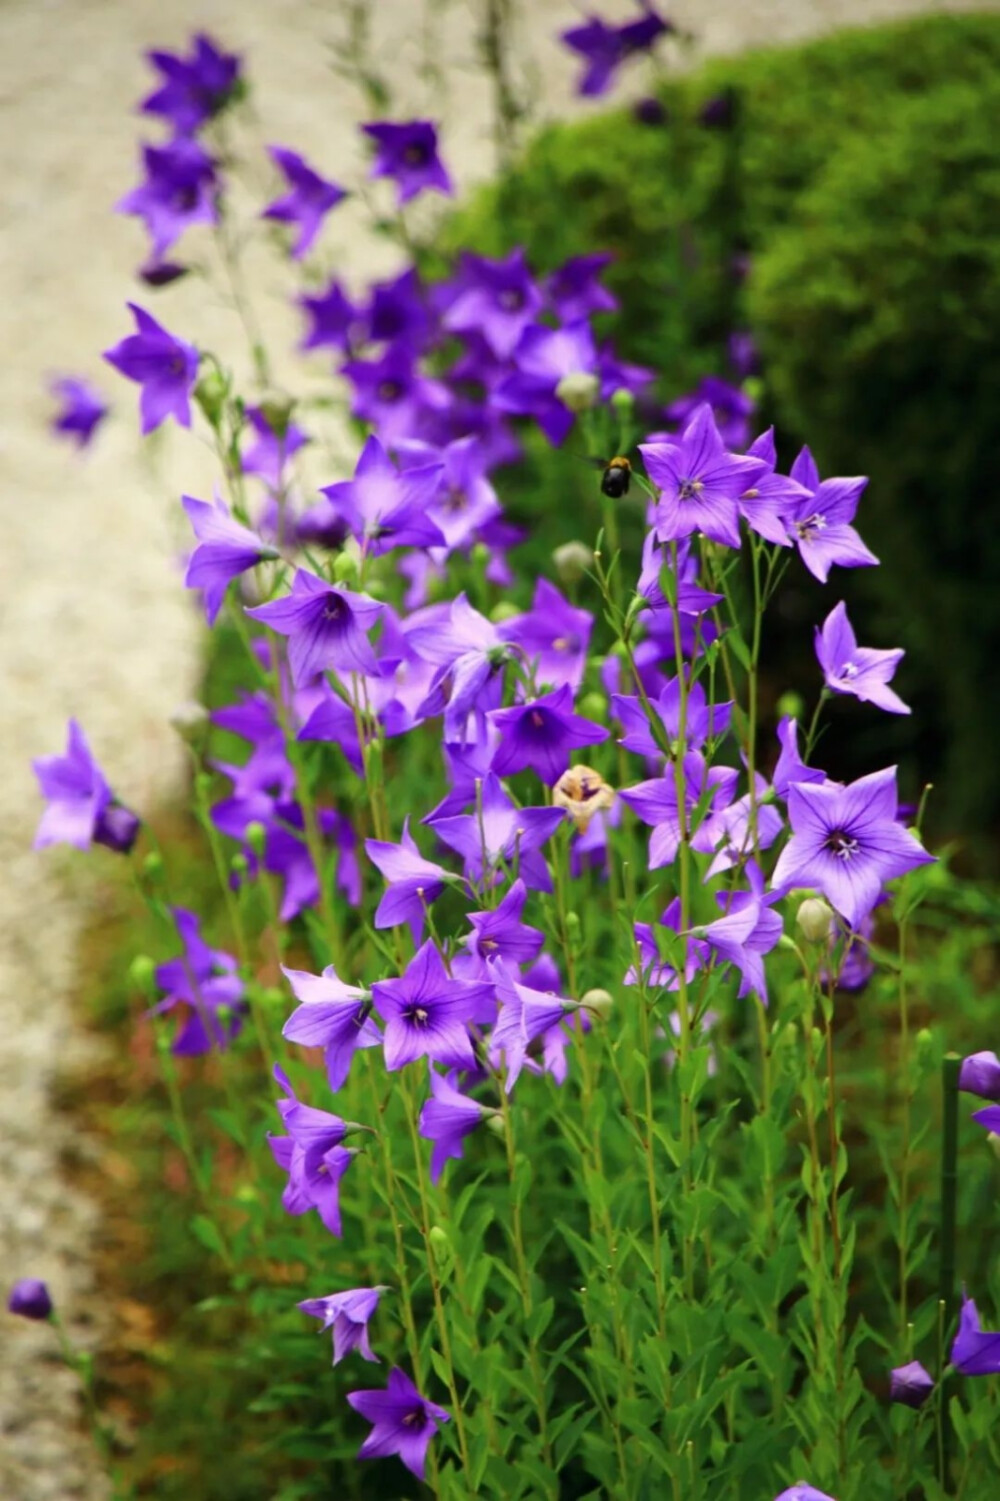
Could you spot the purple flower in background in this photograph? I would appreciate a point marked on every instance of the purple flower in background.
(771, 498)
(819, 525)
(426, 1013)
(308, 200)
(731, 407)
(975, 1350)
(326, 626)
(225, 550)
(652, 969)
(393, 395)
(542, 734)
(385, 507)
(980, 1075)
(790, 767)
(347, 1314)
(193, 89)
(703, 721)
(744, 355)
(604, 48)
(989, 1119)
(465, 765)
(179, 190)
(332, 318)
(166, 368)
(700, 482)
(553, 636)
(413, 882)
(277, 440)
(846, 842)
(81, 808)
(498, 934)
(910, 1384)
(746, 931)
(465, 500)
(408, 153)
(543, 359)
(574, 291)
(802, 1491)
(499, 830)
(403, 1422)
(82, 410)
(860, 670)
(446, 1119)
(397, 309)
(497, 299)
(206, 982)
(30, 1299)
(524, 1015)
(655, 803)
(312, 1156)
(469, 655)
(332, 1016)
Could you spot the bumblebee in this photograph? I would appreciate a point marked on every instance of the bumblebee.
(616, 478)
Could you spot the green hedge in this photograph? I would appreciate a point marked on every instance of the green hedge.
(862, 174)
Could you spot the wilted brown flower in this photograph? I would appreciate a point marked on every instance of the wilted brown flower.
(582, 792)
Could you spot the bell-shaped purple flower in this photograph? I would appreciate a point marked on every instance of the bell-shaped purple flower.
(604, 47)
(656, 803)
(859, 670)
(312, 1156)
(544, 357)
(980, 1075)
(403, 1422)
(554, 637)
(408, 153)
(179, 190)
(332, 316)
(274, 443)
(309, 199)
(413, 883)
(746, 931)
(205, 982)
(846, 842)
(426, 1013)
(81, 412)
(498, 933)
(573, 291)
(30, 1299)
(820, 524)
(385, 507)
(81, 807)
(500, 831)
(652, 970)
(225, 550)
(497, 299)
(975, 1350)
(446, 1119)
(347, 1314)
(790, 767)
(542, 734)
(165, 367)
(910, 1384)
(802, 1491)
(525, 1015)
(332, 1016)
(327, 627)
(770, 500)
(699, 482)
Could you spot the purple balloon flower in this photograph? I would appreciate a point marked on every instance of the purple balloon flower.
(413, 882)
(802, 1491)
(497, 299)
(975, 1350)
(308, 200)
(604, 48)
(731, 407)
(312, 1156)
(383, 507)
(326, 626)
(860, 670)
(910, 1384)
(525, 1014)
(332, 317)
(81, 807)
(403, 1422)
(980, 1075)
(542, 734)
(193, 89)
(747, 930)
(790, 767)
(275, 442)
(206, 983)
(574, 291)
(771, 498)
(819, 524)
(180, 189)
(165, 367)
(700, 482)
(846, 842)
(347, 1314)
(500, 831)
(446, 1119)
(656, 803)
(408, 153)
(498, 934)
(30, 1299)
(426, 1013)
(553, 636)
(82, 410)
(544, 357)
(225, 550)
(332, 1016)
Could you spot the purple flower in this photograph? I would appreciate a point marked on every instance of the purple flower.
(312, 1156)
(802, 1491)
(553, 636)
(386, 508)
(332, 1016)
(980, 1075)
(700, 482)
(332, 317)
(975, 1351)
(703, 721)
(193, 89)
(166, 368)
(497, 299)
(397, 309)
(731, 407)
(790, 767)
(308, 200)
(465, 500)
(498, 934)
(30, 1299)
(413, 882)
(524, 1015)
(860, 670)
(82, 410)
(426, 1013)
(81, 807)
(652, 971)
(543, 358)
(910, 1384)
(347, 1313)
(542, 734)
(207, 984)
(403, 1422)
(408, 154)
(393, 394)
(846, 842)
(326, 626)
(500, 831)
(767, 504)
(225, 550)
(446, 1119)
(655, 802)
(573, 291)
(180, 190)
(746, 931)
(277, 440)
(604, 48)
(819, 525)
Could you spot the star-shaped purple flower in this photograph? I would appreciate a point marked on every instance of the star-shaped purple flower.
(180, 189)
(309, 199)
(525, 1015)
(193, 89)
(225, 550)
(446, 1119)
(553, 635)
(980, 1075)
(82, 410)
(820, 524)
(347, 1314)
(790, 766)
(207, 984)
(746, 931)
(604, 48)
(30, 1299)
(544, 357)
(386, 508)
(699, 482)
(655, 802)
(165, 367)
(498, 933)
(426, 1013)
(81, 807)
(312, 1156)
(413, 882)
(498, 299)
(326, 626)
(403, 1422)
(846, 842)
(975, 1350)
(802, 1491)
(859, 670)
(542, 734)
(332, 1016)
(408, 153)
(500, 831)
(770, 500)
(275, 441)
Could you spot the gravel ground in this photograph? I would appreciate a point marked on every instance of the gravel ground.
(94, 622)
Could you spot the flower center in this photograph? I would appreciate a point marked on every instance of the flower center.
(388, 390)
(849, 670)
(334, 607)
(690, 489)
(807, 529)
(488, 945)
(414, 1419)
(456, 500)
(511, 300)
(538, 720)
(418, 1016)
(416, 154)
(841, 844)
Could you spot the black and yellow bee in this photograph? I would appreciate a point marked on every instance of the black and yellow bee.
(617, 476)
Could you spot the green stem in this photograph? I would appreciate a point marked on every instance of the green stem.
(950, 1069)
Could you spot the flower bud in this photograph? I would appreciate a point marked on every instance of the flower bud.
(495, 1123)
(191, 721)
(142, 974)
(210, 393)
(623, 400)
(256, 836)
(30, 1299)
(980, 1075)
(925, 1045)
(572, 560)
(440, 1248)
(791, 705)
(276, 408)
(579, 390)
(152, 867)
(503, 611)
(814, 919)
(480, 555)
(993, 1142)
(600, 1002)
(239, 864)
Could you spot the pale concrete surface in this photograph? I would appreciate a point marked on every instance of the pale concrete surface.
(93, 621)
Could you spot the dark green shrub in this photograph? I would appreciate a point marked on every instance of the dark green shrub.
(862, 175)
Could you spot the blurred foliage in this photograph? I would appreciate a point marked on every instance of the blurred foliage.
(861, 176)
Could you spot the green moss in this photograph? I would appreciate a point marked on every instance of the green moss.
(862, 175)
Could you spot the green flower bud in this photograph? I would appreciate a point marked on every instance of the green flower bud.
(579, 390)
(439, 1245)
(256, 837)
(239, 864)
(152, 867)
(347, 568)
(600, 1002)
(276, 410)
(495, 1123)
(480, 555)
(142, 974)
(622, 400)
(503, 611)
(791, 705)
(210, 393)
(814, 919)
